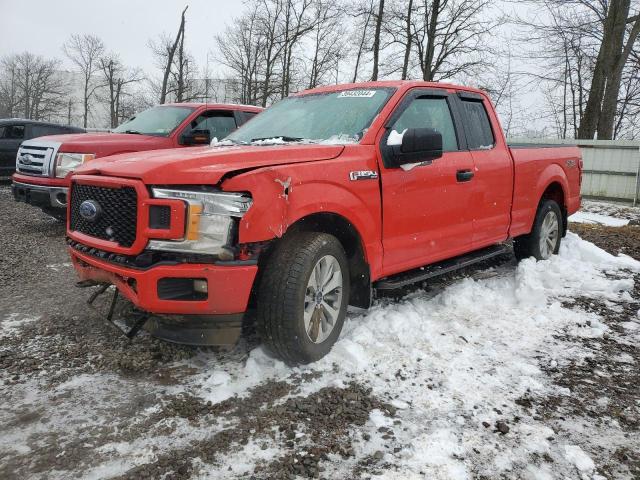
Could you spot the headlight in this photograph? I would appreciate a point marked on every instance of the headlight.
(68, 162)
(210, 221)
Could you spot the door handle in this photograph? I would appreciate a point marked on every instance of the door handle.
(464, 175)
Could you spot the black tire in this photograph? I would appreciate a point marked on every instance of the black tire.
(281, 296)
(527, 246)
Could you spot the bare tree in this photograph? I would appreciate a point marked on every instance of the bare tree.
(449, 36)
(164, 50)
(239, 50)
(115, 80)
(364, 15)
(31, 87)
(85, 51)
(621, 48)
(376, 40)
(585, 50)
(327, 40)
(296, 23)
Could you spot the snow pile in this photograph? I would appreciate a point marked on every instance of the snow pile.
(454, 362)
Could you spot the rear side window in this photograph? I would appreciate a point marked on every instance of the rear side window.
(428, 112)
(219, 124)
(478, 126)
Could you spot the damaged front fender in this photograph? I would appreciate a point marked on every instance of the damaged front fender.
(267, 216)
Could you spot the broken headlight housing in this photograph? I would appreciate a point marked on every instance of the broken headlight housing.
(68, 162)
(212, 218)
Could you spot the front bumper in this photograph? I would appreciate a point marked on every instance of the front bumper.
(40, 195)
(229, 287)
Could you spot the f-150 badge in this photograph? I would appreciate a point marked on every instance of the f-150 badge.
(363, 175)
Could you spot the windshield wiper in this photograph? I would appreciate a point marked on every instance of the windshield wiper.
(284, 138)
(133, 132)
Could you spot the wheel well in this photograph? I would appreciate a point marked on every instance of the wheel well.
(349, 237)
(555, 192)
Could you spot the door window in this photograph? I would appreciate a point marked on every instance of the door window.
(429, 112)
(219, 124)
(13, 132)
(477, 126)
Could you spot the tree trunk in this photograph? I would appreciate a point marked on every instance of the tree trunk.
(170, 54)
(407, 48)
(427, 71)
(603, 65)
(376, 41)
(614, 79)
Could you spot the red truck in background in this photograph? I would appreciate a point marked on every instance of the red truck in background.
(44, 164)
(323, 198)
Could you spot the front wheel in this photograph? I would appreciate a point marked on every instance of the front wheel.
(303, 297)
(544, 239)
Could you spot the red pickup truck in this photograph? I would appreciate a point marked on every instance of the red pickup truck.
(323, 198)
(44, 164)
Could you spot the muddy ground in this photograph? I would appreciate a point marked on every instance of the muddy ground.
(51, 340)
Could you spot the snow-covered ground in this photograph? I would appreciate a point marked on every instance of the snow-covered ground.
(516, 371)
(606, 213)
(453, 363)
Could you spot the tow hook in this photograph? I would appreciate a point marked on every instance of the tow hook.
(140, 318)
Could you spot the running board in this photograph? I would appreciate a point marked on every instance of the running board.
(436, 269)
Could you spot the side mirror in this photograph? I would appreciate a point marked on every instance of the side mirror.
(196, 137)
(418, 145)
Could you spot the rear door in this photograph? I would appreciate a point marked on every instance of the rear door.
(493, 179)
(427, 210)
(11, 136)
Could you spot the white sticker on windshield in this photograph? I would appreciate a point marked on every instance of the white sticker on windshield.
(357, 94)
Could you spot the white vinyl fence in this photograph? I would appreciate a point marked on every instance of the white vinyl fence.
(611, 168)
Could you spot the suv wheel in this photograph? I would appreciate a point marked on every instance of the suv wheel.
(544, 239)
(303, 297)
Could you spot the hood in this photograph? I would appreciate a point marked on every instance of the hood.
(103, 144)
(204, 165)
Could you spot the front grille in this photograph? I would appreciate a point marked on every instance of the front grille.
(35, 159)
(117, 213)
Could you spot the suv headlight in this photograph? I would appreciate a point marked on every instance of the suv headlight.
(211, 220)
(68, 162)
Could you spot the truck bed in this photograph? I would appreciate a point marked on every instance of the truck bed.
(536, 167)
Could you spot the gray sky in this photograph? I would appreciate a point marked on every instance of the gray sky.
(125, 26)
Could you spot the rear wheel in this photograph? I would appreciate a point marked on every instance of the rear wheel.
(544, 239)
(303, 297)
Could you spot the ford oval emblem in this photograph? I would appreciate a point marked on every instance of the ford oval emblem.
(90, 210)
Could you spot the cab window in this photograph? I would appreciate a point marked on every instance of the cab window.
(13, 132)
(429, 112)
(477, 125)
(218, 123)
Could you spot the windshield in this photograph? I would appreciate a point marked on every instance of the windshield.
(332, 117)
(160, 121)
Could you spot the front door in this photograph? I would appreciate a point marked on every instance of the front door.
(427, 208)
(11, 136)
